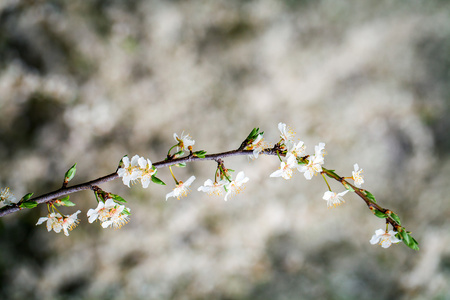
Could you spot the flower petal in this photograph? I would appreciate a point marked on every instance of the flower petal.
(189, 181)
(171, 194)
(41, 220)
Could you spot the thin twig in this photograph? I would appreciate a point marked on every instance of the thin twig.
(88, 185)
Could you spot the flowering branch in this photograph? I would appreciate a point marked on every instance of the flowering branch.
(111, 210)
(90, 185)
(57, 194)
(373, 206)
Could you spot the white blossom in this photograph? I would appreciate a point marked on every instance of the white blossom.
(130, 170)
(384, 238)
(181, 189)
(147, 171)
(213, 188)
(356, 175)
(109, 213)
(54, 221)
(318, 150)
(257, 146)
(236, 185)
(70, 222)
(286, 132)
(117, 218)
(7, 197)
(184, 141)
(138, 169)
(295, 149)
(315, 163)
(313, 167)
(285, 171)
(57, 222)
(334, 199)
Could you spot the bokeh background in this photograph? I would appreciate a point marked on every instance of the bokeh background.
(91, 81)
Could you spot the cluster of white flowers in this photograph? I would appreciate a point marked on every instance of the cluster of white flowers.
(309, 165)
(7, 197)
(315, 162)
(224, 186)
(294, 153)
(57, 222)
(138, 168)
(110, 214)
(230, 188)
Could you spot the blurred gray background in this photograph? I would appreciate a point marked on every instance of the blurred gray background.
(91, 81)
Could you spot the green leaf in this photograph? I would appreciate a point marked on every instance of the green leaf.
(379, 214)
(331, 174)
(26, 197)
(370, 196)
(121, 160)
(65, 198)
(96, 196)
(117, 198)
(64, 201)
(157, 180)
(395, 217)
(300, 161)
(126, 211)
(415, 245)
(347, 186)
(200, 153)
(405, 237)
(67, 202)
(70, 173)
(29, 204)
(181, 165)
(409, 240)
(179, 153)
(252, 134)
